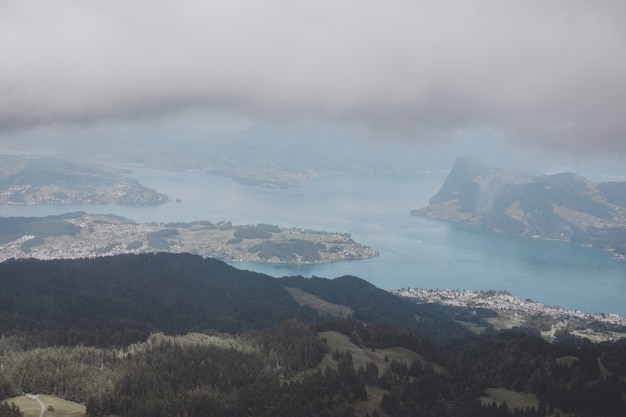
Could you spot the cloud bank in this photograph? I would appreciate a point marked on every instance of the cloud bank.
(547, 72)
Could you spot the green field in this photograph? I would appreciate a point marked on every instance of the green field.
(318, 304)
(361, 356)
(513, 399)
(55, 406)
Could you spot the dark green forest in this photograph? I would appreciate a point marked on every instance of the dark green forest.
(114, 301)
(179, 335)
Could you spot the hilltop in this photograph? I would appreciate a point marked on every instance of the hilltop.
(561, 206)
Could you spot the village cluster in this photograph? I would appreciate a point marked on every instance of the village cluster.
(504, 302)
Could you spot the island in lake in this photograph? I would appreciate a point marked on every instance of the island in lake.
(561, 206)
(82, 235)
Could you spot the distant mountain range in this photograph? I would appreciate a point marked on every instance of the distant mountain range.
(561, 206)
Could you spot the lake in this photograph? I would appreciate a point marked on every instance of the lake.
(414, 252)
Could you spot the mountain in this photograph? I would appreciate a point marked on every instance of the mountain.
(561, 206)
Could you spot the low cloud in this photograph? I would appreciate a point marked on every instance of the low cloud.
(548, 73)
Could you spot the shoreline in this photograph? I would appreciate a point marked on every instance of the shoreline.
(526, 312)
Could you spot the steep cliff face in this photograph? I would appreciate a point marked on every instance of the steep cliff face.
(561, 206)
(461, 184)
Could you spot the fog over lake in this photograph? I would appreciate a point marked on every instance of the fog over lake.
(414, 252)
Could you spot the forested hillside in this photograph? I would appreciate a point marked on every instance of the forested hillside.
(165, 334)
(113, 301)
(333, 368)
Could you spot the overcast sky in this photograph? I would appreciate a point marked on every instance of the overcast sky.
(544, 72)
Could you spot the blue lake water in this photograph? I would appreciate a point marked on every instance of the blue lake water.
(414, 252)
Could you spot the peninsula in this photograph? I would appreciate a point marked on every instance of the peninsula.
(26, 180)
(82, 235)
